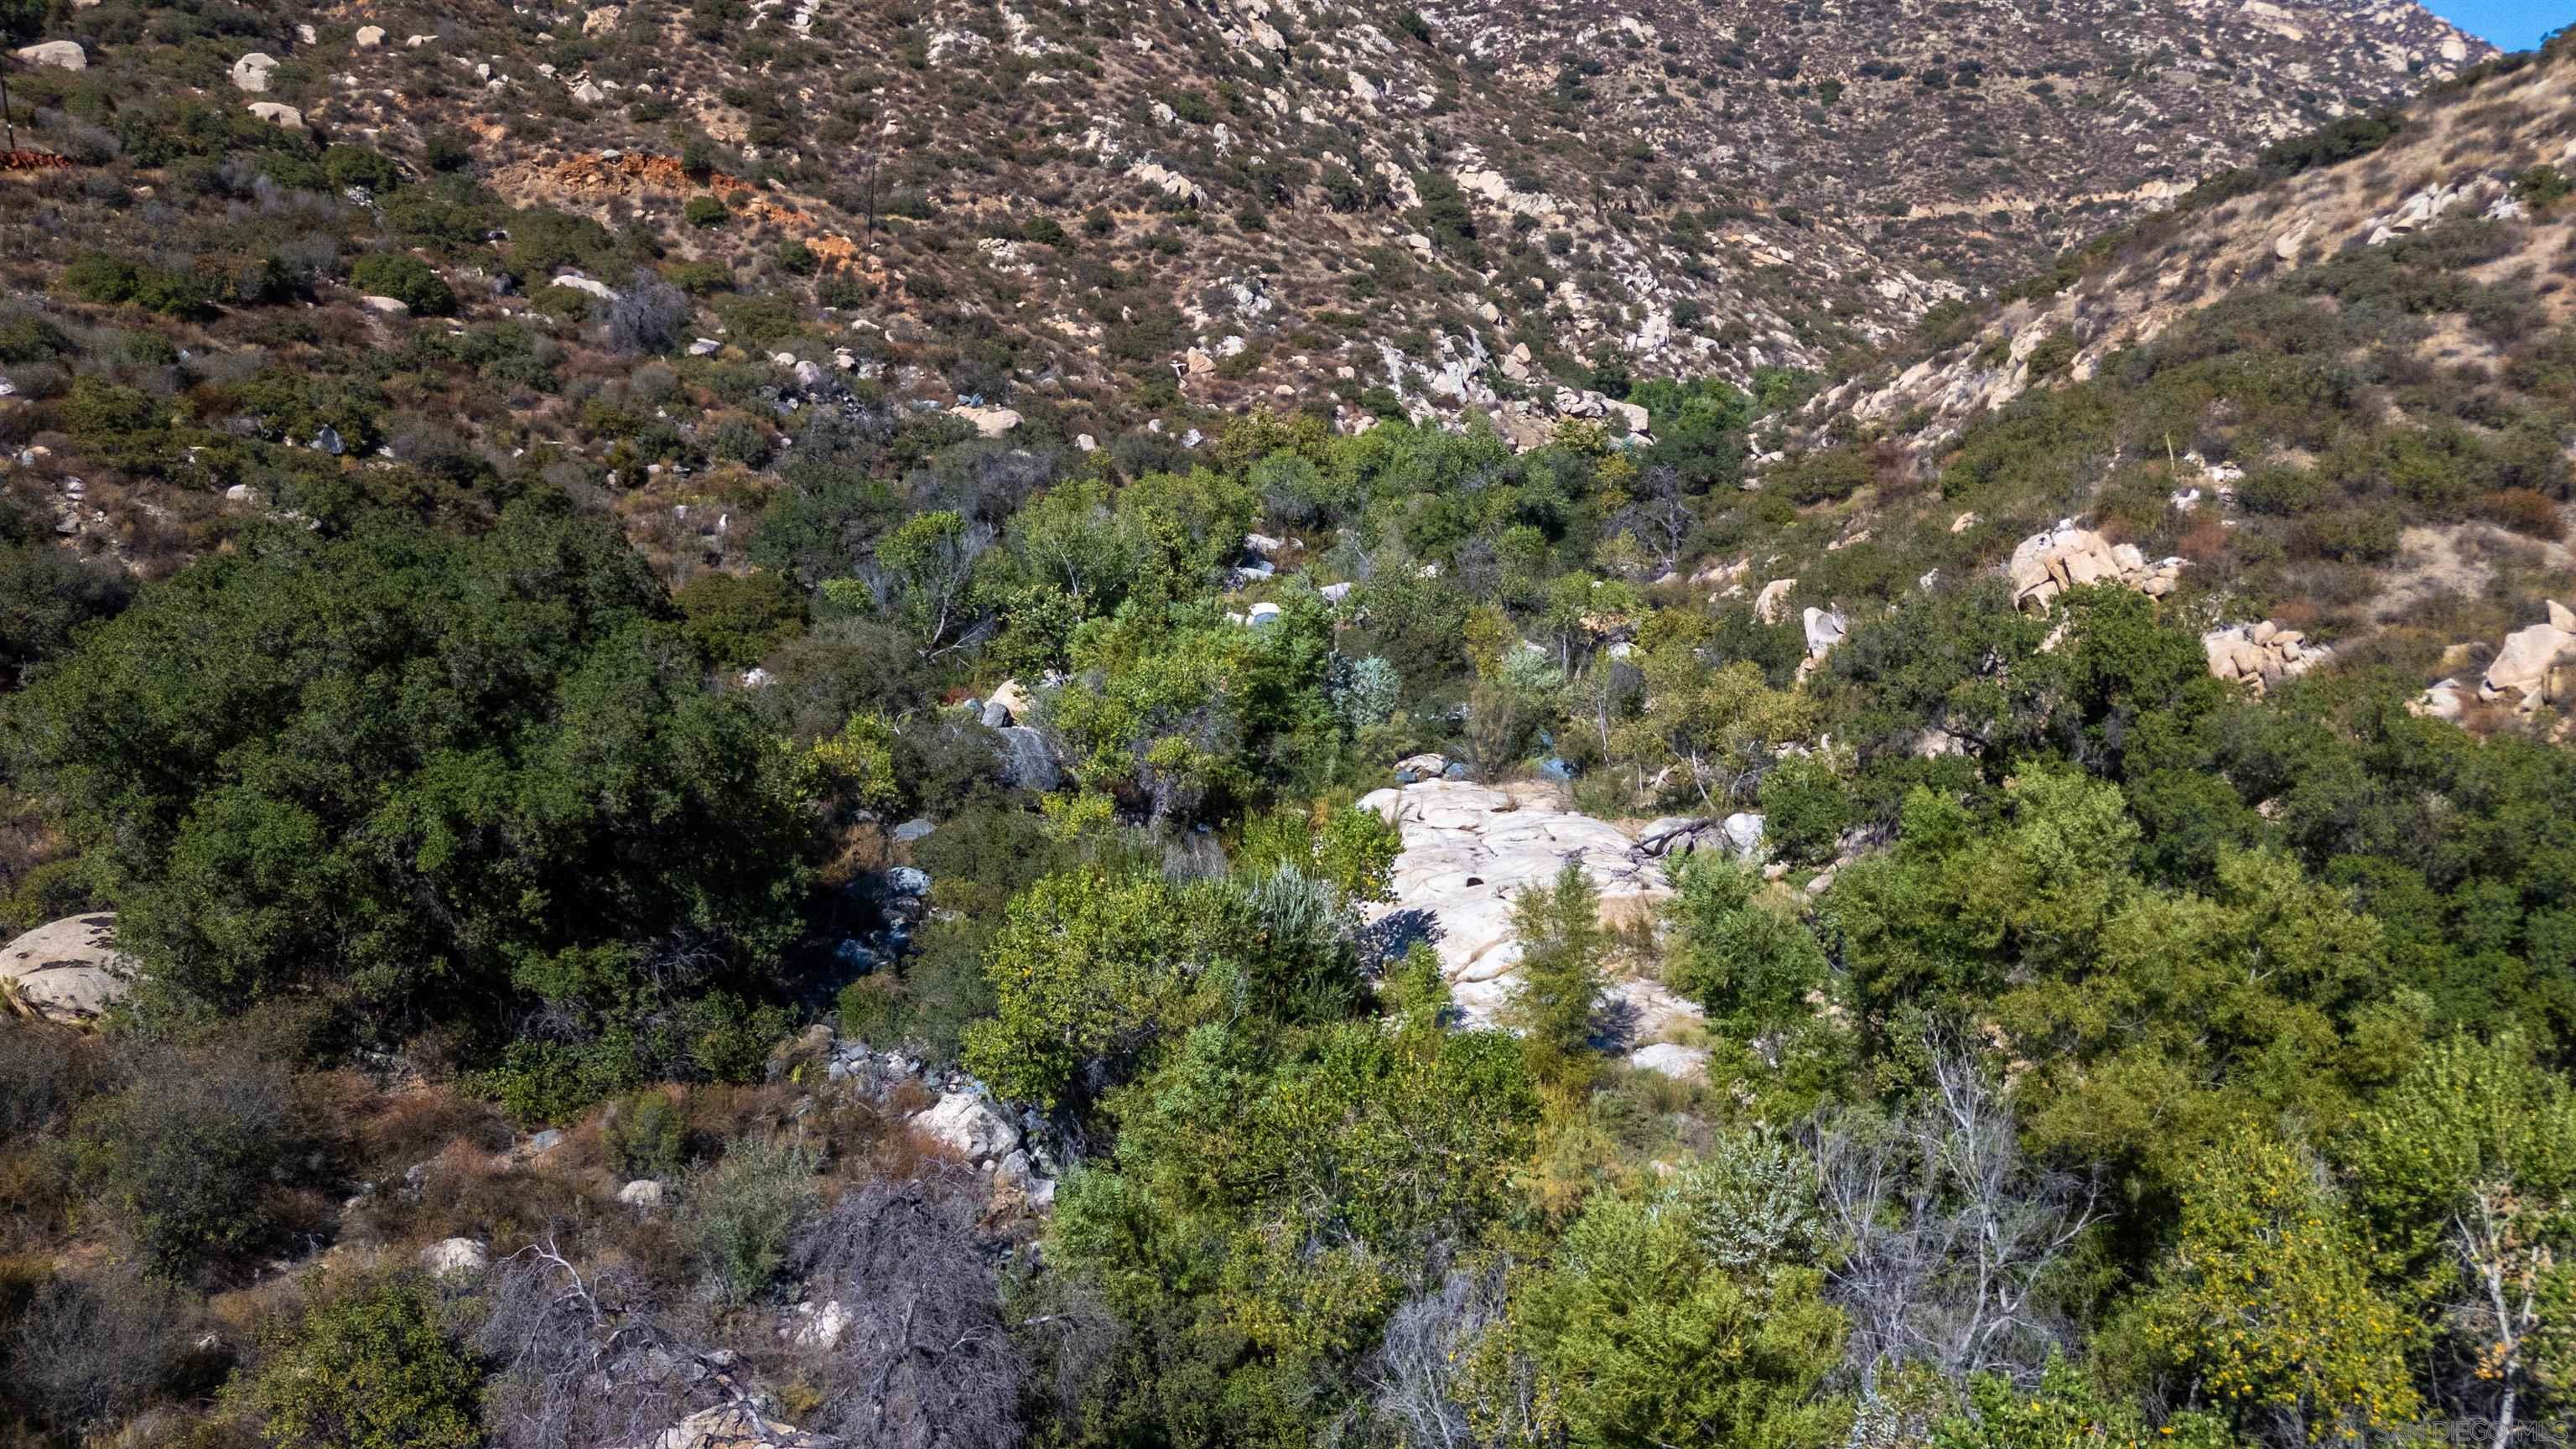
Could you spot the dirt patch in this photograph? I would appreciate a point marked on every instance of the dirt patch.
(592, 179)
(2455, 559)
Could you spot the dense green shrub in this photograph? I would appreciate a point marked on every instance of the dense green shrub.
(186, 1157)
(740, 1212)
(553, 733)
(372, 1369)
(406, 279)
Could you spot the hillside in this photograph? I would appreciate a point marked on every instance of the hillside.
(825, 724)
(1069, 199)
(2337, 384)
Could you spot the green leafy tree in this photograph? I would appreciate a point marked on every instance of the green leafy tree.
(2266, 1296)
(2466, 1183)
(1659, 1319)
(933, 556)
(1557, 1000)
(421, 772)
(405, 278)
(372, 1370)
(1091, 970)
(737, 619)
(1748, 961)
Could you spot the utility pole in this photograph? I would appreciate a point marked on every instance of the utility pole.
(7, 120)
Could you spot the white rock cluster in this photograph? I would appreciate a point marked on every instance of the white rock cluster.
(2260, 654)
(2050, 562)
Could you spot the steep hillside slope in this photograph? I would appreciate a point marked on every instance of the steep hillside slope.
(1461, 205)
(2340, 388)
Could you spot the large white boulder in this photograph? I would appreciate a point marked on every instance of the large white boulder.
(968, 1125)
(250, 73)
(1825, 629)
(67, 971)
(60, 54)
(278, 115)
(1772, 604)
(989, 422)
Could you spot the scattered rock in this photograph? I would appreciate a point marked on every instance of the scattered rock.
(369, 37)
(67, 971)
(278, 115)
(912, 830)
(643, 1192)
(1415, 769)
(390, 306)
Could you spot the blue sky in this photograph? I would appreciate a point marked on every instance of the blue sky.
(2513, 24)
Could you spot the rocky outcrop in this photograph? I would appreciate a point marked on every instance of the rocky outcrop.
(2537, 665)
(1013, 1150)
(1772, 604)
(2261, 654)
(1469, 852)
(2049, 563)
(67, 971)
